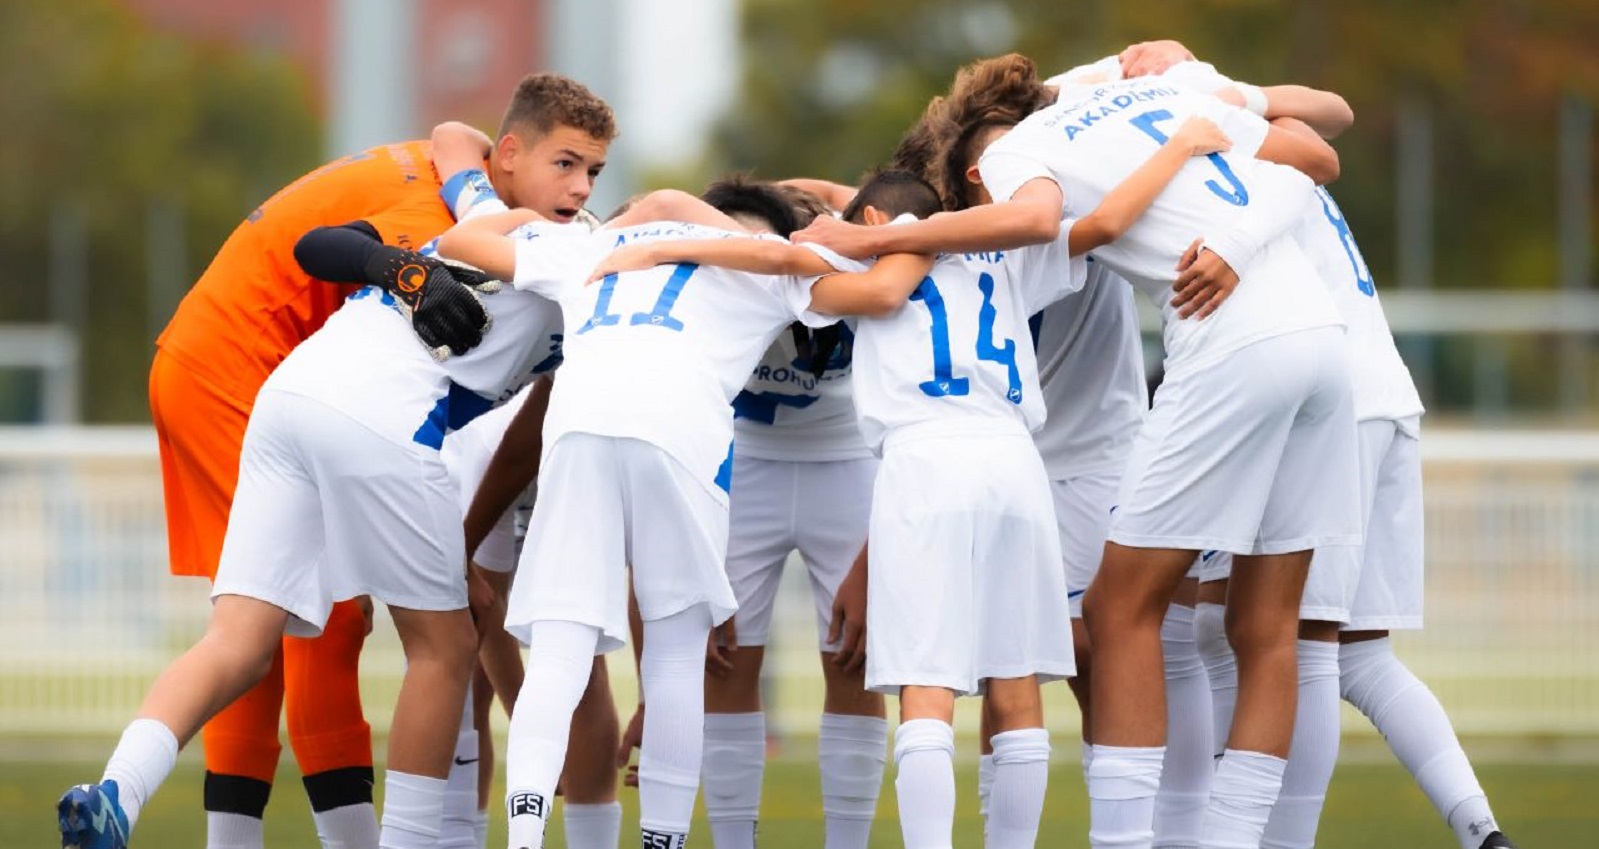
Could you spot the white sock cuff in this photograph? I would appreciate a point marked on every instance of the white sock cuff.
(736, 726)
(651, 769)
(1119, 773)
(921, 735)
(1251, 777)
(591, 811)
(1026, 745)
(1178, 623)
(1318, 660)
(158, 733)
(858, 729)
(413, 803)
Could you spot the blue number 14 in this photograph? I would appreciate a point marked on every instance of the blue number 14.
(944, 382)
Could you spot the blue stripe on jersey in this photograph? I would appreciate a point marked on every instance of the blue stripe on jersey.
(455, 410)
(762, 406)
(1075, 593)
(724, 474)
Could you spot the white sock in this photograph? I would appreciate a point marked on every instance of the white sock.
(413, 808)
(672, 677)
(1087, 759)
(231, 831)
(924, 760)
(1210, 636)
(851, 752)
(560, 659)
(1418, 730)
(1122, 781)
(1313, 753)
(1021, 775)
(596, 826)
(1241, 797)
(141, 761)
(458, 827)
(735, 760)
(985, 787)
(1190, 762)
(480, 827)
(347, 826)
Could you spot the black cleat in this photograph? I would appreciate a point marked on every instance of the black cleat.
(1497, 840)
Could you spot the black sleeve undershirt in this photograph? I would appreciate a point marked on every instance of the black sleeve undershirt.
(338, 254)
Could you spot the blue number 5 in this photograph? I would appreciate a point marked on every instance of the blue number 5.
(1234, 194)
(944, 381)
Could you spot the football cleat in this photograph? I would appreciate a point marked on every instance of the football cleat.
(90, 817)
(1497, 840)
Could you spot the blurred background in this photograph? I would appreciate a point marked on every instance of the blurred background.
(138, 133)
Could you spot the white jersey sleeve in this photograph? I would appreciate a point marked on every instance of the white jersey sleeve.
(1108, 69)
(552, 262)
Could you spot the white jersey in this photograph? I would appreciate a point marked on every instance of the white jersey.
(1091, 369)
(1095, 137)
(785, 412)
(960, 347)
(658, 355)
(1384, 388)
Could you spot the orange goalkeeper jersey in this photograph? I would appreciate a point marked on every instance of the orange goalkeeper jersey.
(254, 304)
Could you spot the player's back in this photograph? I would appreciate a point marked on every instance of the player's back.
(1383, 387)
(960, 351)
(788, 412)
(658, 354)
(253, 304)
(1094, 138)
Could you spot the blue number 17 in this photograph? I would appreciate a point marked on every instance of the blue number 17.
(660, 316)
(1234, 193)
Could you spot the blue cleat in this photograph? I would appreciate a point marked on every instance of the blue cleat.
(91, 817)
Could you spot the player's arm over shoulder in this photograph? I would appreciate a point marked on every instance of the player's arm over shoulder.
(874, 292)
(483, 243)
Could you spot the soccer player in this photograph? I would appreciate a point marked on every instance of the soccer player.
(1181, 492)
(802, 480)
(966, 585)
(547, 109)
(636, 468)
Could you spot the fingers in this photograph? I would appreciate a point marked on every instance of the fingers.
(835, 624)
(1189, 255)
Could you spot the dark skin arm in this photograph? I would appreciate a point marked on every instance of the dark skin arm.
(514, 465)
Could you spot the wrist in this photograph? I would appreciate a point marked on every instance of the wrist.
(1254, 98)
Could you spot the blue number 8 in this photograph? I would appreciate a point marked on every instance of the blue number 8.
(1335, 216)
(1234, 193)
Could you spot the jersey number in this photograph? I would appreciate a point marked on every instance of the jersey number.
(1335, 216)
(660, 316)
(944, 382)
(1234, 192)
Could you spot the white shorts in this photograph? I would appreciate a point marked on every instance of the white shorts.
(1377, 586)
(1389, 596)
(466, 454)
(327, 510)
(1083, 508)
(965, 580)
(610, 502)
(1242, 455)
(778, 506)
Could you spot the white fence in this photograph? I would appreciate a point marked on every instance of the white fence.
(88, 613)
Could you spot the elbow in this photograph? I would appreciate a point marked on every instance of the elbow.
(449, 245)
(1340, 119)
(662, 205)
(879, 304)
(1325, 169)
(1043, 225)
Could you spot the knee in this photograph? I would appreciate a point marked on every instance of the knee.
(1259, 635)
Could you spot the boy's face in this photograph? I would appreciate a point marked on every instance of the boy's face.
(552, 174)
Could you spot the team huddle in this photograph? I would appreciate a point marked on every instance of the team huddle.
(425, 376)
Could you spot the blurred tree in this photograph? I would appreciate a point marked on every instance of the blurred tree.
(106, 118)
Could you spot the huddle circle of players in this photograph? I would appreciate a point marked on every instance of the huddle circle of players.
(355, 401)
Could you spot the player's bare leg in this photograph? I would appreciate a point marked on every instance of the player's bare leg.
(1404, 709)
(1123, 609)
(924, 752)
(439, 651)
(1314, 751)
(237, 651)
(1262, 621)
(1021, 762)
(590, 809)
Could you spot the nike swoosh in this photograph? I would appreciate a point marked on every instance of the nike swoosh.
(459, 762)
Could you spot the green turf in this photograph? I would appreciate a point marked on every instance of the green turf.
(1371, 804)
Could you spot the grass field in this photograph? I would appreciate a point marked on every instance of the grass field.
(1552, 806)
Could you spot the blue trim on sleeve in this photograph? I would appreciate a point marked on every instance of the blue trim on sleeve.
(724, 474)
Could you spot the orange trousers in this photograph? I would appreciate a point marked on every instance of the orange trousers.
(200, 429)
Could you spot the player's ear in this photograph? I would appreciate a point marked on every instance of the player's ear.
(506, 150)
(973, 176)
(875, 217)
